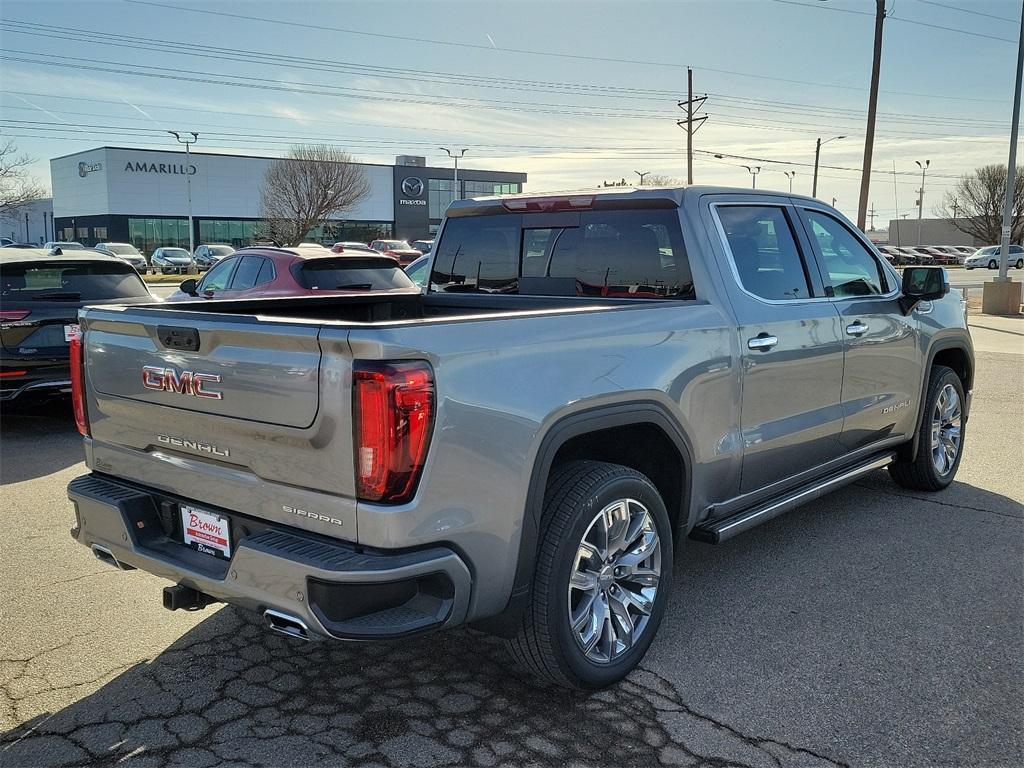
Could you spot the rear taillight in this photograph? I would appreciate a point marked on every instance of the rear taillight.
(13, 315)
(393, 405)
(78, 380)
(534, 204)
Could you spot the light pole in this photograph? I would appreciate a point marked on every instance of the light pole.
(754, 170)
(790, 175)
(453, 156)
(817, 156)
(920, 197)
(641, 175)
(188, 183)
(834, 200)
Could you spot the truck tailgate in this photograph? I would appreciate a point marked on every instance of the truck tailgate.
(270, 413)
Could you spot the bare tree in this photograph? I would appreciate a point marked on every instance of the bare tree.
(17, 185)
(978, 201)
(655, 180)
(312, 184)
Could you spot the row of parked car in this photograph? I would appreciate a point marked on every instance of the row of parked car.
(172, 260)
(42, 289)
(951, 255)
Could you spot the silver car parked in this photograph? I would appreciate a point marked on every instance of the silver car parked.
(171, 261)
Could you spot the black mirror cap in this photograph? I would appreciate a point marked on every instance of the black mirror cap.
(923, 284)
(189, 286)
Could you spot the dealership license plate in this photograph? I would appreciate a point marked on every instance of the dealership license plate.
(205, 531)
(70, 331)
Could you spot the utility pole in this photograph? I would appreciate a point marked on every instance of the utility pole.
(1011, 167)
(188, 187)
(920, 197)
(834, 199)
(871, 213)
(817, 156)
(789, 175)
(956, 208)
(455, 182)
(641, 175)
(869, 137)
(754, 170)
(691, 123)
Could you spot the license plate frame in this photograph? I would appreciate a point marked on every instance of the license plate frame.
(206, 531)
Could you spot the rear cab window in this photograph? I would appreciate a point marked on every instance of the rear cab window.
(636, 253)
(70, 281)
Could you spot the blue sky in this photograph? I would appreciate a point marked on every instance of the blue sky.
(387, 78)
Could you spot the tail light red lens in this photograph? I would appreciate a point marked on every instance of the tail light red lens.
(13, 315)
(393, 421)
(529, 205)
(78, 381)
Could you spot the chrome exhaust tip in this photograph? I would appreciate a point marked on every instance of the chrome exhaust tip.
(105, 555)
(287, 625)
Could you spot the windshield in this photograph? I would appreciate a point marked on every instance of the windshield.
(123, 250)
(351, 273)
(988, 250)
(221, 250)
(175, 253)
(399, 245)
(70, 281)
(69, 246)
(635, 254)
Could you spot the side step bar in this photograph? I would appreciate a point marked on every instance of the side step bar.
(717, 531)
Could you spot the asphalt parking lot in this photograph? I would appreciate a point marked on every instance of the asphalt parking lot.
(873, 627)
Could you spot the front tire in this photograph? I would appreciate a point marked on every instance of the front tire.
(940, 437)
(1019, 264)
(993, 264)
(602, 578)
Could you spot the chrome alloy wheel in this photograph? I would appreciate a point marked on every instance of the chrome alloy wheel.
(946, 423)
(614, 580)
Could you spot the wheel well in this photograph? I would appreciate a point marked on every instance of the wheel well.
(643, 447)
(956, 359)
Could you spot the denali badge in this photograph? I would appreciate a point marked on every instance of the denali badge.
(194, 445)
(185, 383)
(893, 408)
(311, 515)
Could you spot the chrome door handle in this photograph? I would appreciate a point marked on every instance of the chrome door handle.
(857, 329)
(762, 342)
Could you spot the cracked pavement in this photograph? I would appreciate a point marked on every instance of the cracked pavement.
(873, 627)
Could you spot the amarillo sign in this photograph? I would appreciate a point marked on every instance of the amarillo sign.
(177, 169)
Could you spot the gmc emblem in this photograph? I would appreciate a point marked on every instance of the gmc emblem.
(185, 383)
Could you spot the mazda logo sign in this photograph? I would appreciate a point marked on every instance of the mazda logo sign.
(412, 187)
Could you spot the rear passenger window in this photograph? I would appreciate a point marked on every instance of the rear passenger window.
(266, 274)
(852, 269)
(246, 274)
(635, 254)
(764, 252)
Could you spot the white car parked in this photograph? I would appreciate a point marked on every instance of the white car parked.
(989, 257)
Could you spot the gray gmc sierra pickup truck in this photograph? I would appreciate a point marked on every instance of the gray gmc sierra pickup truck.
(587, 381)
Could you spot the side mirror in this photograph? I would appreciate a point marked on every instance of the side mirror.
(922, 284)
(189, 286)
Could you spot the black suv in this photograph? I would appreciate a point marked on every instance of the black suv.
(40, 295)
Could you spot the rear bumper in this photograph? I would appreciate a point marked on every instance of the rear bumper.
(56, 385)
(337, 590)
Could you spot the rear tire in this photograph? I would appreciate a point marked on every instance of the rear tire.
(1019, 264)
(940, 436)
(602, 578)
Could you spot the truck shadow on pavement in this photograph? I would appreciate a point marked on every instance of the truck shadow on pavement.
(36, 439)
(229, 693)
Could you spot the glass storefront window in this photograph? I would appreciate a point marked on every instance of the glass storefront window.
(150, 234)
(440, 194)
(100, 233)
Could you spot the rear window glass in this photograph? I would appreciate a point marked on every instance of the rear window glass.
(348, 273)
(85, 280)
(626, 254)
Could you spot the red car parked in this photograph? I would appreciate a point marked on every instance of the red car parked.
(264, 272)
(400, 249)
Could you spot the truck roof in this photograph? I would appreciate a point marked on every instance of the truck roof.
(613, 196)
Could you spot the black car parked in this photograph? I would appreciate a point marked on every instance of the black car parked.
(40, 295)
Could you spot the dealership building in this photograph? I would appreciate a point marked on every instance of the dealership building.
(121, 194)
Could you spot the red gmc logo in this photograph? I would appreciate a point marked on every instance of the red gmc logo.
(184, 383)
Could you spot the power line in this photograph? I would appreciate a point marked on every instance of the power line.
(967, 10)
(674, 65)
(894, 18)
